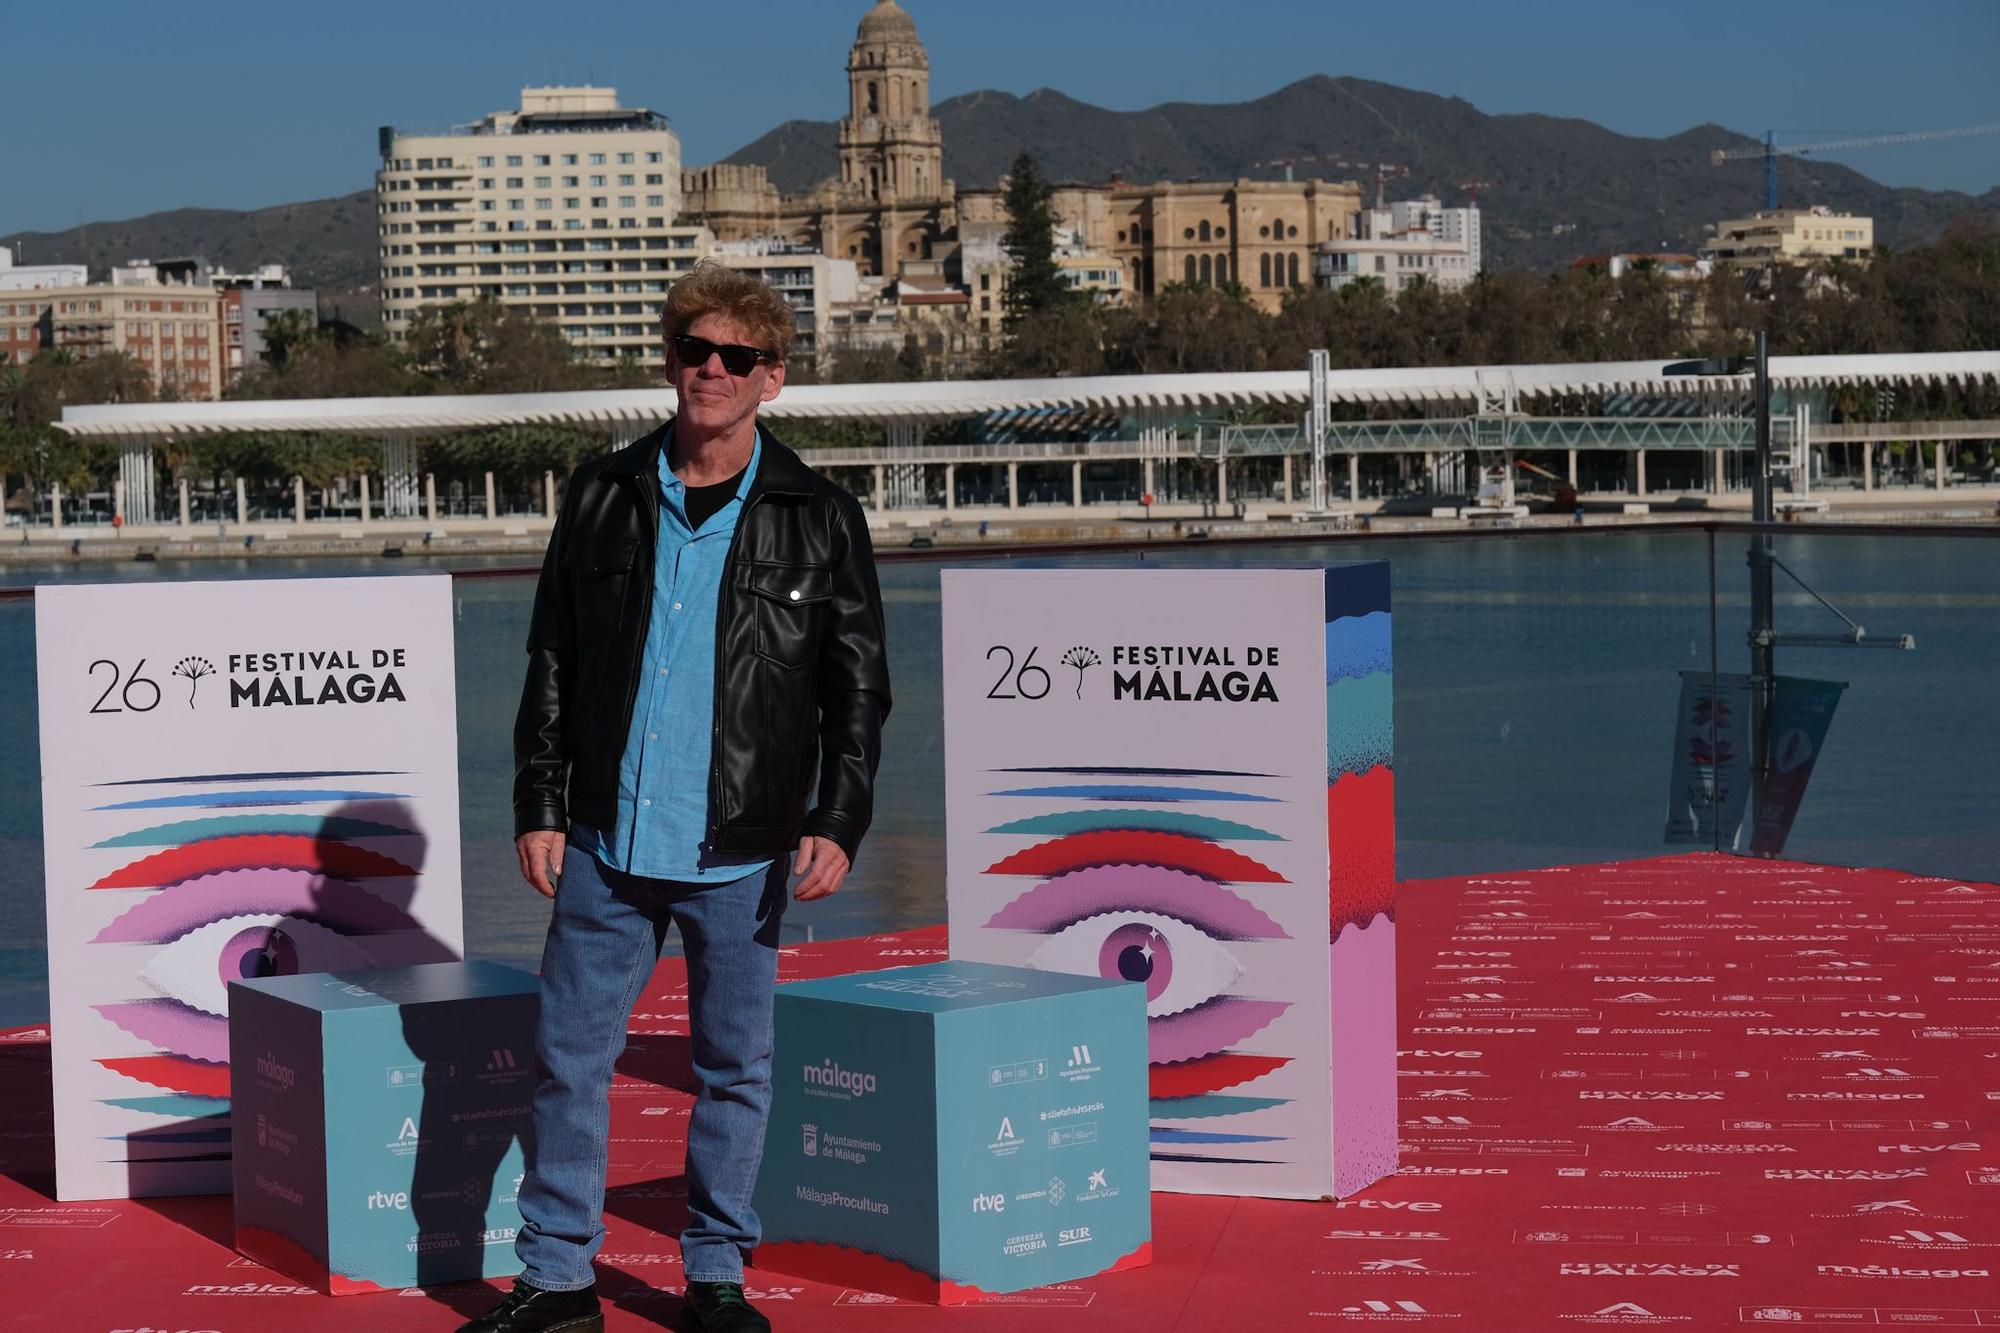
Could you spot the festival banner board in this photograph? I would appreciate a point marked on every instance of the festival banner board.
(1184, 777)
(239, 779)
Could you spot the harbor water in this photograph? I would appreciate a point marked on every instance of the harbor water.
(1537, 678)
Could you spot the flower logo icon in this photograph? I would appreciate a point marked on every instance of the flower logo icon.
(1082, 659)
(193, 668)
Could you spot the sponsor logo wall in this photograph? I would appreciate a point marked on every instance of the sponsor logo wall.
(1185, 778)
(239, 779)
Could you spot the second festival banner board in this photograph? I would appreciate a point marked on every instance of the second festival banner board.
(239, 779)
(1185, 777)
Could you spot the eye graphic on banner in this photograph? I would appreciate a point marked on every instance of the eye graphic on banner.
(269, 889)
(1143, 946)
(195, 968)
(1138, 895)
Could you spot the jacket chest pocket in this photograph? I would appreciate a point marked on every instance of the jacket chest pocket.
(603, 572)
(790, 602)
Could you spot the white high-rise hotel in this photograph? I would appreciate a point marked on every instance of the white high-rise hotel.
(1408, 241)
(566, 206)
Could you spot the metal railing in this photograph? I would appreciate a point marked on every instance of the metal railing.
(1517, 433)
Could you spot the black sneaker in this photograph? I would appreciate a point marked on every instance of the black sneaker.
(529, 1309)
(719, 1307)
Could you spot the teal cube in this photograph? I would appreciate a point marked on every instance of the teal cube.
(378, 1122)
(957, 1130)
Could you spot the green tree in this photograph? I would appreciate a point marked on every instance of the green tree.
(287, 332)
(1034, 283)
(1064, 339)
(1206, 328)
(22, 450)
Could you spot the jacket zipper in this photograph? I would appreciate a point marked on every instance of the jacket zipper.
(652, 508)
(723, 593)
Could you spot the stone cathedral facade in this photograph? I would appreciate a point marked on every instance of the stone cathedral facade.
(890, 206)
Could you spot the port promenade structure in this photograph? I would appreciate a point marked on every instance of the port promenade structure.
(1173, 446)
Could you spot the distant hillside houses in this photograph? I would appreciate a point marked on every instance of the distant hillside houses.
(192, 327)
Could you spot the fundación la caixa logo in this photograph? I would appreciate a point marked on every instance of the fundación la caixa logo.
(1173, 673)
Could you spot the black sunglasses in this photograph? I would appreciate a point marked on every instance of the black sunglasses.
(737, 359)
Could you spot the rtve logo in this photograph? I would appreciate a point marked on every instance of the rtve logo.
(989, 1203)
(399, 1200)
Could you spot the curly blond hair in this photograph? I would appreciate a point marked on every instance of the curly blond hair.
(717, 289)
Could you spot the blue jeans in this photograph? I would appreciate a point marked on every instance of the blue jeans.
(604, 941)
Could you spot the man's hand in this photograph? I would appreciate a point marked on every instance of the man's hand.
(824, 866)
(541, 854)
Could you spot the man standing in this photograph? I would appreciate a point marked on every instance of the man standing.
(707, 624)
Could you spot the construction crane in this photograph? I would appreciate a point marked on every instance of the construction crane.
(1770, 151)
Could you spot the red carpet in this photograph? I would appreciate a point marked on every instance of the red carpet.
(1689, 1093)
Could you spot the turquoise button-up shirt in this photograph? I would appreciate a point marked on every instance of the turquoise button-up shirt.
(662, 828)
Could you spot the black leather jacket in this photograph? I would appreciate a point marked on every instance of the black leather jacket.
(801, 667)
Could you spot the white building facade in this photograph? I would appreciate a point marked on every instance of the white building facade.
(565, 206)
(1410, 240)
(809, 282)
(28, 277)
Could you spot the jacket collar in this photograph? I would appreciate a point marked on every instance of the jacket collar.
(779, 470)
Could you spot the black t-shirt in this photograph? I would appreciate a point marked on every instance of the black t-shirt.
(704, 501)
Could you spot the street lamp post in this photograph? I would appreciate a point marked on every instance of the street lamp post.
(1763, 671)
(1764, 638)
(1762, 604)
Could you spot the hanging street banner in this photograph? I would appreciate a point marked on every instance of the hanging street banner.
(240, 779)
(1710, 784)
(1184, 777)
(1801, 712)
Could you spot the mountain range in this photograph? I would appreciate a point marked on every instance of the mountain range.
(1549, 188)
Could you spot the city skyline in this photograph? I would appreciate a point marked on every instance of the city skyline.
(125, 151)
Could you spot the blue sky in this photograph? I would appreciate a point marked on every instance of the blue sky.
(121, 108)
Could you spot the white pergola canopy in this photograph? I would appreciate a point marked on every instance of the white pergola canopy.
(628, 413)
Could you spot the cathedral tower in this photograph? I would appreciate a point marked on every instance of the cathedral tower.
(891, 150)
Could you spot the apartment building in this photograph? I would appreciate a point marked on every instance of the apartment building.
(1791, 236)
(1098, 276)
(174, 331)
(811, 283)
(1451, 226)
(24, 325)
(565, 206)
(17, 277)
(249, 302)
(1414, 240)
